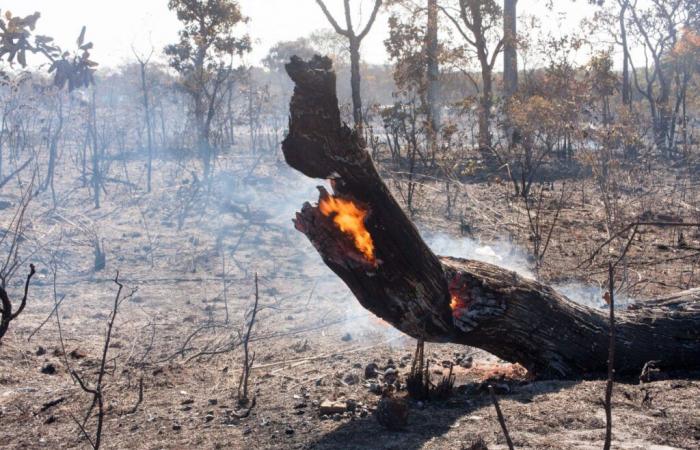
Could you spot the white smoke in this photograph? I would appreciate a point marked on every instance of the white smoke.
(509, 256)
(500, 253)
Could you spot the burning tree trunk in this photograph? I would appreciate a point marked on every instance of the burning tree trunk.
(363, 235)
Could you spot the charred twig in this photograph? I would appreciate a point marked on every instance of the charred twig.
(56, 304)
(611, 359)
(97, 390)
(248, 359)
(418, 381)
(6, 314)
(15, 172)
(41, 325)
(629, 227)
(245, 412)
(501, 419)
(140, 399)
(50, 404)
(443, 389)
(14, 236)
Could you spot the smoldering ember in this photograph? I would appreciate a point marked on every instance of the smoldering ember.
(356, 224)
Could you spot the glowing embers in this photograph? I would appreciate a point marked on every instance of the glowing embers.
(459, 296)
(457, 305)
(350, 219)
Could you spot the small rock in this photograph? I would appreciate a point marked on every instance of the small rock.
(337, 417)
(40, 351)
(371, 371)
(467, 362)
(390, 375)
(351, 379)
(77, 353)
(289, 431)
(213, 401)
(209, 417)
(188, 401)
(177, 427)
(375, 388)
(346, 337)
(48, 369)
(332, 407)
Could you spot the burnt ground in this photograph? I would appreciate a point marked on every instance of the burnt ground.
(193, 254)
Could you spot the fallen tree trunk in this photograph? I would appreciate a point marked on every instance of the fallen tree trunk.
(364, 236)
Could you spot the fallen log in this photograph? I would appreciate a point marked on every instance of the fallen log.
(364, 236)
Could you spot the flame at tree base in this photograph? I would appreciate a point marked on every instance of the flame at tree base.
(350, 219)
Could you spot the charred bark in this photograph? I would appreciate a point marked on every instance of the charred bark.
(453, 300)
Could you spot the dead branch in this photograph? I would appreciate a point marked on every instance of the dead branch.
(248, 359)
(611, 358)
(140, 399)
(6, 314)
(501, 419)
(15, 172)
(634, 225)
(97, 391)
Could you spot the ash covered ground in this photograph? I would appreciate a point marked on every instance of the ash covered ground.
(321, 361)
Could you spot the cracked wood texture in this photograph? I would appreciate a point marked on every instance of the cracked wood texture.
(516, 319)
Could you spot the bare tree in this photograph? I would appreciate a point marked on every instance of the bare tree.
(143, 66)
(477, 20)
(354, 41)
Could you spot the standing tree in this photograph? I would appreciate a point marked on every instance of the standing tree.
(204, 59)
(433, 63)
(477, 24)
(510, 55)
(143, 66)
(657, 27)
(354, 41)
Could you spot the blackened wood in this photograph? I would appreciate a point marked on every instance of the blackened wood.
(514, 318)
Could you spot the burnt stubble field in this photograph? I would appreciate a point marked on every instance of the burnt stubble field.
(357, 224)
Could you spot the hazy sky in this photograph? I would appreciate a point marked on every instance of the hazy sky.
(114, 25)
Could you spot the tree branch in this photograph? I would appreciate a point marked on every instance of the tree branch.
(332, 20)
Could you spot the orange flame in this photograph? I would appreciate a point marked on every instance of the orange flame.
(351, 220)
(456, 304)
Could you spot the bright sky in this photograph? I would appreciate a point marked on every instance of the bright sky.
(114, 25)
